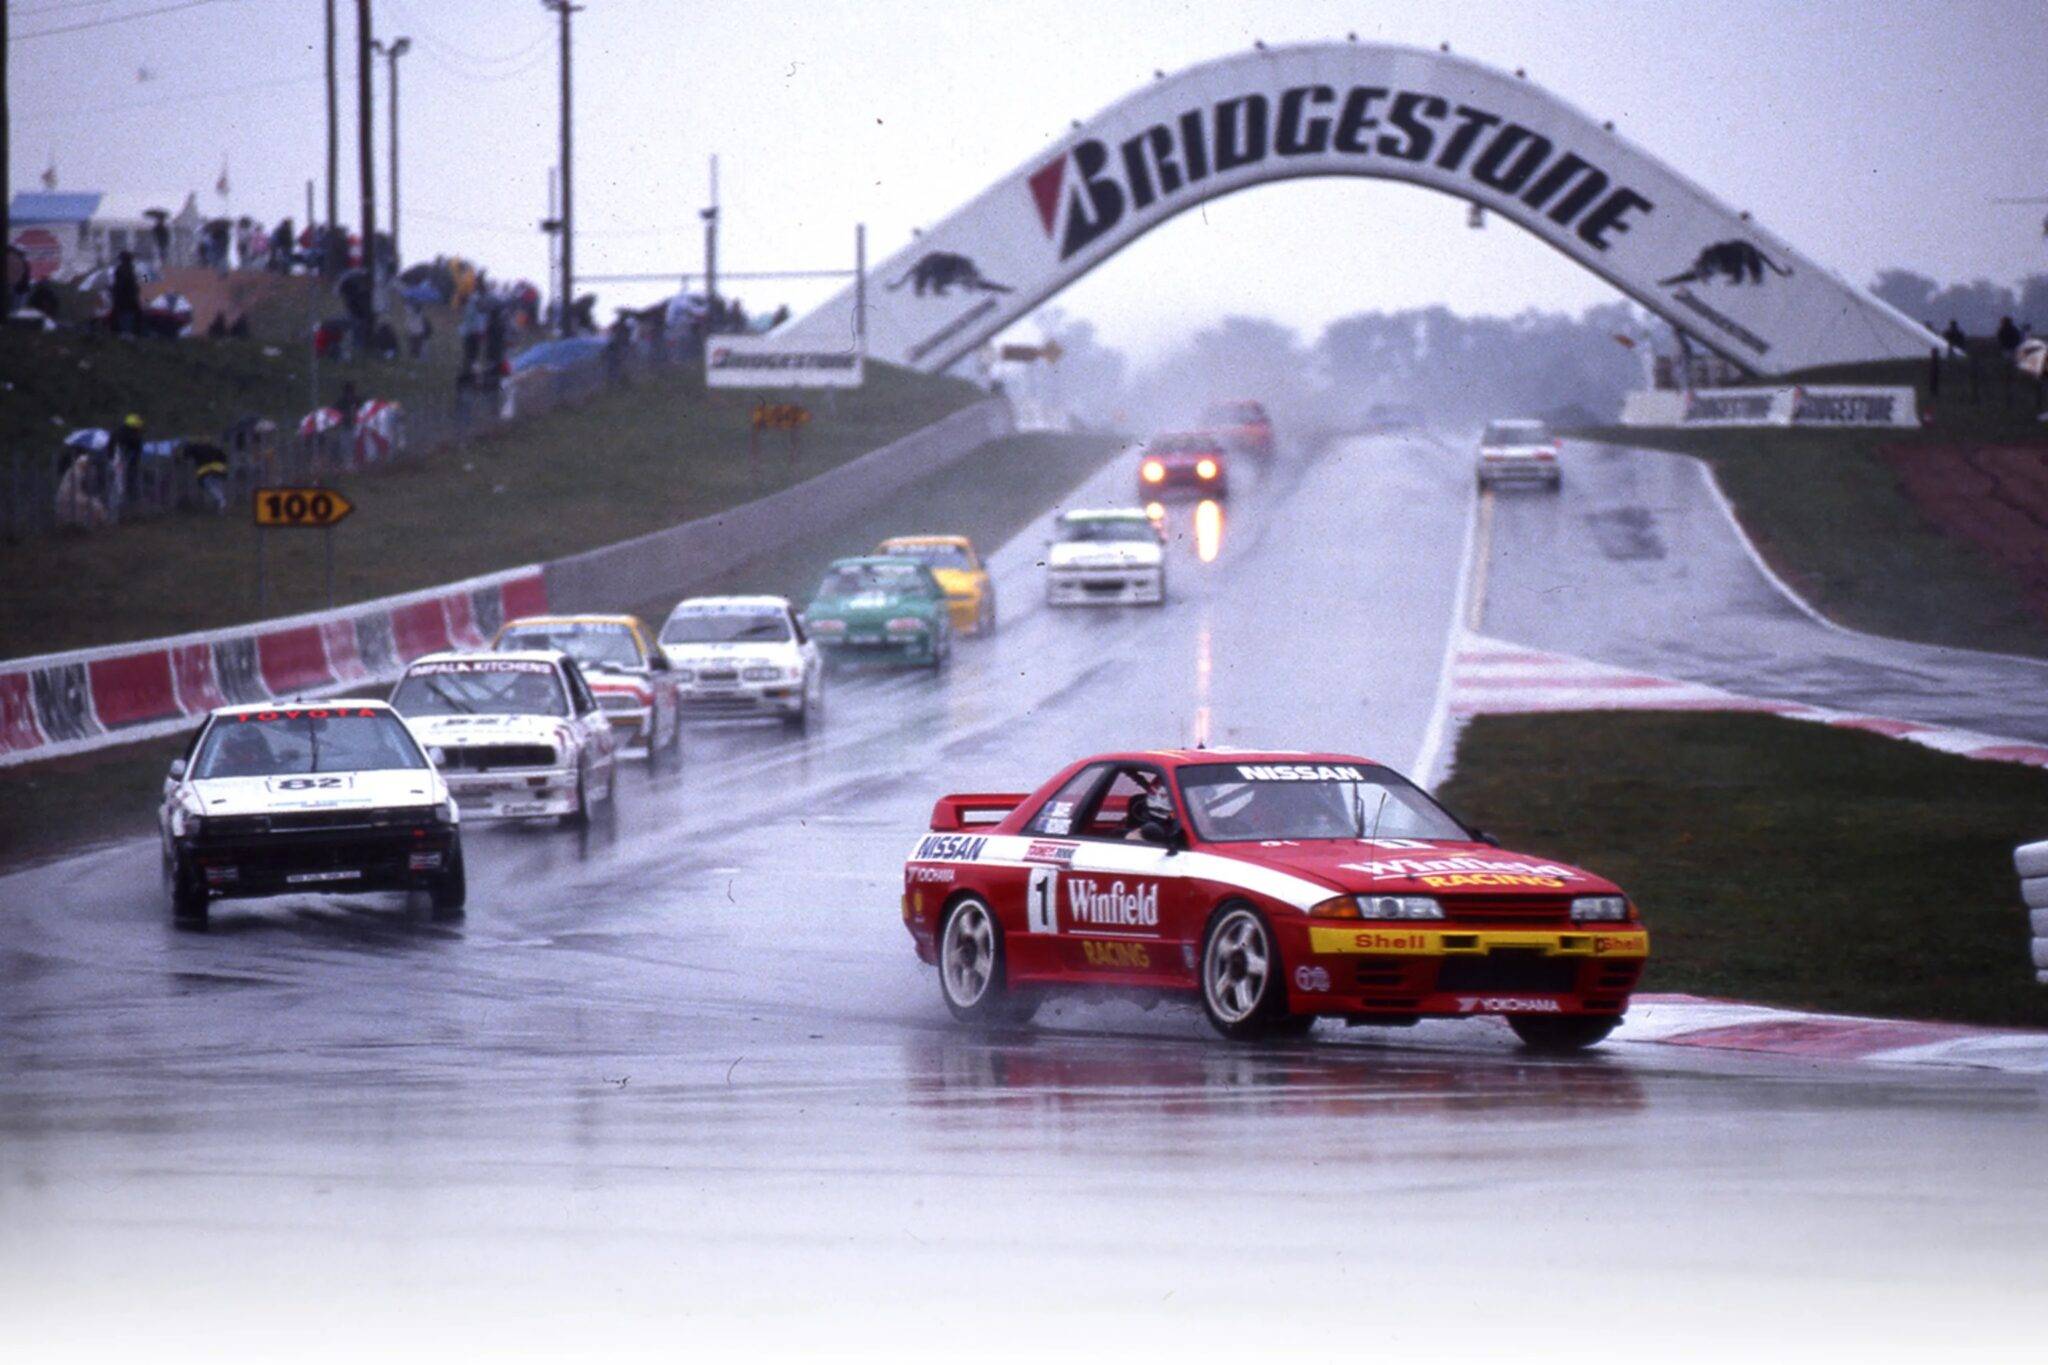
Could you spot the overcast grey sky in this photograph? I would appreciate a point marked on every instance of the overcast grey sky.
(1867, 133)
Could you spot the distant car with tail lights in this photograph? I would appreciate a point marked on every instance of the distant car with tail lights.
(631, 680)
(520, 733)
(1273, 888)
(1183, 464)
(953, 560)
(1519, 450)
(275, 800)
(879, 607)
(1243, 425)
(1105, 557)
(739, 658)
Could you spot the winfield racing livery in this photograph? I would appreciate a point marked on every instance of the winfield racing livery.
(1278, 888)
(271, 800)
(519, 734)
(631, 681)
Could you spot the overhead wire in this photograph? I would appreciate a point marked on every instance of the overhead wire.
(106, 20)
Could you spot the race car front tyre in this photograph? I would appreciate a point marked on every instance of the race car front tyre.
(973, 969)
(1243, 983)
(188, 899)
(1561, 1033)
(580, 817)
(450, 891)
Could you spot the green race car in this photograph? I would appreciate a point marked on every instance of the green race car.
(881, 607)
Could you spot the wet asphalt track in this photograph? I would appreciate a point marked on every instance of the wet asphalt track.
(1633, 563)
(682, 1081)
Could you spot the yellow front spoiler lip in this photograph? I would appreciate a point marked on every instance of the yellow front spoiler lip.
(1323, 939)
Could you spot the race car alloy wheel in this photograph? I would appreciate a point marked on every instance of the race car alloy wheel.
(1555, 1033)
(972, 973)
(450, 890)
(1242, 991)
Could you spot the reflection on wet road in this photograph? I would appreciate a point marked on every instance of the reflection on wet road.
(681, 1079)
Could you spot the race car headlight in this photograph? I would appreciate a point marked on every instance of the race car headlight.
(1206, 469)
(1155, 511)
(1153, 471)
(1587, 909)
(761, 673)
(828, 627)
(906, 625)
(1400, 907)
(185, 824)
(444, 812)
(684, 674)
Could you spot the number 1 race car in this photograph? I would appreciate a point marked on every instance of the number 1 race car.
(1277, 888)
(274, 799)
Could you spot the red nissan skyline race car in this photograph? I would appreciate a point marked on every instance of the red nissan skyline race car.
(1276, 887)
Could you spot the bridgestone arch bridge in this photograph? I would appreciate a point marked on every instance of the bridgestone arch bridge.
(1393, 113)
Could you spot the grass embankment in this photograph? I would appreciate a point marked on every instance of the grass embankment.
(1830, 511)
(1778, 861)
(633, 459)
(992, 494)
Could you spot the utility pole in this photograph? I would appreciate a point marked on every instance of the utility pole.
(397, 48)
(366, 152)
(563, 9)
(710, 217)
(552, 225)
(6, 182)
(333, 146)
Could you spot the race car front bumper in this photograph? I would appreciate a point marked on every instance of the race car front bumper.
(741, 700)
(920, 648)
(1366, 971)
(236, 859)
(513, 794)
(1105, 587)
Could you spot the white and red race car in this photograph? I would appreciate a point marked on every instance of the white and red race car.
(520, 733)
(1275, 887)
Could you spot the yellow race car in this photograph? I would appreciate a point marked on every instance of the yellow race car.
(970, 596)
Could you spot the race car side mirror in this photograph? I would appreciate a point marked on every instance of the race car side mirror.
(657, 662)
(177, 769)
(1485, 838)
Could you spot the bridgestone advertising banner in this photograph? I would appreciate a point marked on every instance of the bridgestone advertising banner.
(776, 363)
(1365, 109)
(1819, 405)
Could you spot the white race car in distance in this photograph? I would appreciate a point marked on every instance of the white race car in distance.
(744, 657)
(1518, 450)
(279, 798)
(520, 733)
(1105, 557)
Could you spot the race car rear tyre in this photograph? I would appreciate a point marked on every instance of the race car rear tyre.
(1560, 1033)
(450, 891)
(973, 969)
(1243, 981)
(188, 899)
(675, 734)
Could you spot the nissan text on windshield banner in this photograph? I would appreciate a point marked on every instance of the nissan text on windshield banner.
(1428, 118)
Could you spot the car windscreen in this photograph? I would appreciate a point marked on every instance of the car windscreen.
(316, 740)
(1231, 802)
(853, 580)
(934, 555)
(1515, 434)
(726, 626)
(601, 644)
(481, 687)
(1109, 530)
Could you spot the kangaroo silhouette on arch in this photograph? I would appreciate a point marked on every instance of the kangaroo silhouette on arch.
(1737, 261)
(938, 271)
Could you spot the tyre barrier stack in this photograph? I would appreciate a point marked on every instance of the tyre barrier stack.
(57, 704)
(2031, 862)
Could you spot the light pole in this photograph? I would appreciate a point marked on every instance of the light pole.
(563, 9)
(391, 52)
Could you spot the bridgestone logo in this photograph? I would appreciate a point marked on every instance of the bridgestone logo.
(1090, 189)
(1299, 772)
(1090, 904)
(726, 359)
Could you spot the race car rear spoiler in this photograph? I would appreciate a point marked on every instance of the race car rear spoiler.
(974, 810)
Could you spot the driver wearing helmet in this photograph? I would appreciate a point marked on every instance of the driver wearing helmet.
(244, 752)
(1149, 806)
